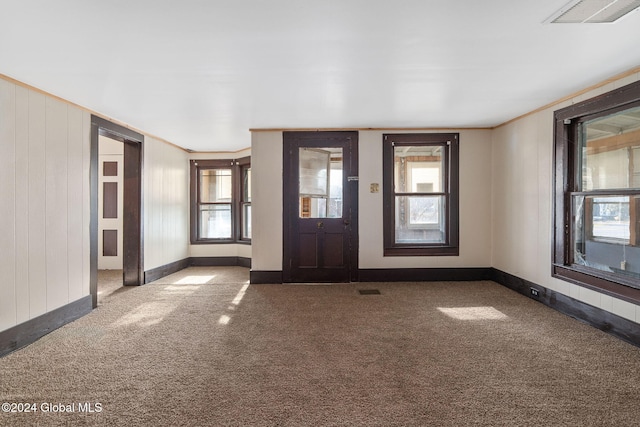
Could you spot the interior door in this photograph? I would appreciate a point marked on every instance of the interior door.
(320, 207)
(110, 200)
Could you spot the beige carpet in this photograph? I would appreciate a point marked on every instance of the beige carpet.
(109, 282)
(202, 348)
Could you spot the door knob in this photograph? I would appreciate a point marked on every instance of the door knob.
(347, 222)
(320, 224)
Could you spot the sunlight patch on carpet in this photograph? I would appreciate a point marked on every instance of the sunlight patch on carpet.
(473, 313)
(194, 280)
(240, 295)
(147, 314)
(182, 289)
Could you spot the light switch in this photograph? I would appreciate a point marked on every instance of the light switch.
(374, 187)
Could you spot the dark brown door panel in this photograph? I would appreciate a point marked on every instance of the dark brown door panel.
(320, 206)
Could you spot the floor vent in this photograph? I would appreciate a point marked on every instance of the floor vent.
(369, 292)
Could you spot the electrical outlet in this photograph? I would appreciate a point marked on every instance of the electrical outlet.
(535, 293)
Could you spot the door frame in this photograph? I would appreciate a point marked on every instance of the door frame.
(133, 238)
(289, 138)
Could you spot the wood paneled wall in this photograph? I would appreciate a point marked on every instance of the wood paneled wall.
(44, 204)
(166, 204)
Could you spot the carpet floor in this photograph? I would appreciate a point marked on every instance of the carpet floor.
(203, 348)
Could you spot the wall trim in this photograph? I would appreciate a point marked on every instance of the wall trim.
(165, 270)
(257, 277)
(377, 128)
(173, 267)
(598, 318)
(28, 332)
(220, 261)
(394, 275)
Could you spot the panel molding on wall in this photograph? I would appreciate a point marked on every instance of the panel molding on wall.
(22, 205)
(43, 213)
(75, 202)
(56, 204)
(166, 204)
(37, 192)
(7, 206)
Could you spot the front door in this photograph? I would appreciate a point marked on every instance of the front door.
(320, 207)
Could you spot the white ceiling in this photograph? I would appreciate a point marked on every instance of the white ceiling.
(201, 73)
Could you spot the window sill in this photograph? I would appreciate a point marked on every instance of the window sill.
(422, 251)
(610, 240)
(220, 242)
(590, 279)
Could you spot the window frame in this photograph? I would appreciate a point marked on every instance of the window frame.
(237, 166)
(566, 163)
(244, 165)
(450, 143)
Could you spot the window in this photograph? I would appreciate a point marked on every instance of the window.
(220, 201)
(320, 189)
(597, 193)
(420, 191)
(245, 202)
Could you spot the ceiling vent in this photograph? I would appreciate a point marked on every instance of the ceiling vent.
(593, 11)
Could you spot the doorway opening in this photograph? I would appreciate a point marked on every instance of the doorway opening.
(110, 215)
(115, 199)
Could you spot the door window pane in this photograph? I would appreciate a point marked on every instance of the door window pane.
(321, 182)
(334, 209)
(314, 172)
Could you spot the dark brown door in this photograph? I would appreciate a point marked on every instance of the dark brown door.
(132, 272)
(320, 207)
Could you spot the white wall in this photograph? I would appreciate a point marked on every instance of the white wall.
(266, 201)
(522, 187)
(44, 204)
(475, 203)
(166, 203)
